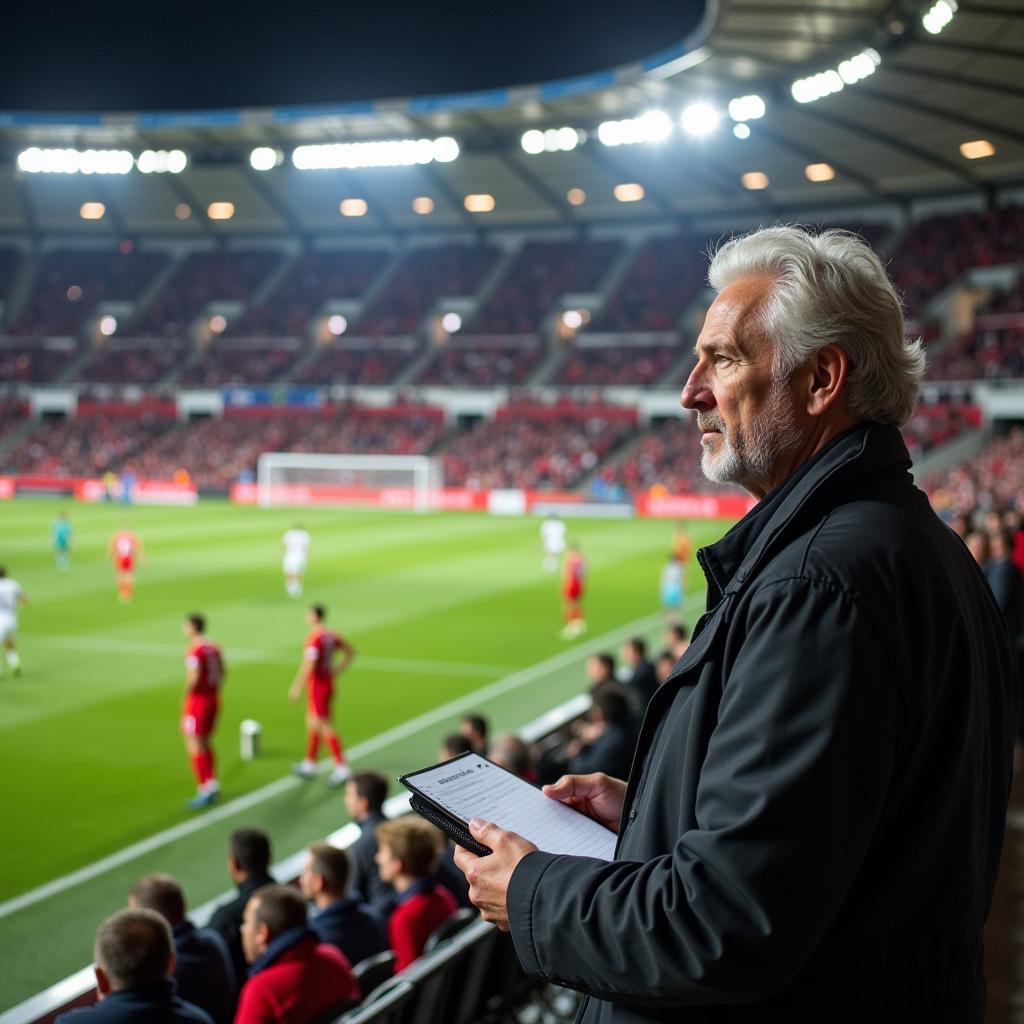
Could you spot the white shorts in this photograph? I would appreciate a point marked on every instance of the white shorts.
(294, 566)
(8, 627)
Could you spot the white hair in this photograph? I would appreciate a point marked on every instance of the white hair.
(830, 288)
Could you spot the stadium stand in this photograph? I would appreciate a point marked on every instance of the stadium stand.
(70, 283)
(482, 364)
(201, 278)
(539, 274)
(993, 480)
(10, 261)
(241, 361)
(515, 449)
(132, 361)
(935, 424)
(316, 276)
(424, 276)
(37, 362)
(368, 362)
(602, 366)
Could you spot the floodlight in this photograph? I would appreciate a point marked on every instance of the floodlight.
(479, 203)
(755, 180)
(573, 319)
(746, 108)
(628, 192)
(352, 207)
(977, 149)
(423, 205)
(652, 126)
(92, 211)
(220, 211)
(391, 153)
(938, 16)
(819, 172)
(451, 322)
(161, 161)
(72, 161)
(264, 158)
(337, 324)
(576, 196)
(699, 119)
(108, 324)
(533, 141)
(218, 324)
(741, 131)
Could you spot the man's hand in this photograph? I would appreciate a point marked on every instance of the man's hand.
(598, 796)
(295, 691)
(489, 877)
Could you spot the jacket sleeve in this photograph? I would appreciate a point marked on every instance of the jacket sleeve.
(253, 1006)
(789, 794)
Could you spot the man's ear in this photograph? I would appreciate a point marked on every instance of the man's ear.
(103, 986)
(826, 376)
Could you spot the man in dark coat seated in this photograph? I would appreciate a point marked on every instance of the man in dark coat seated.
(812, 824)
(134, 958)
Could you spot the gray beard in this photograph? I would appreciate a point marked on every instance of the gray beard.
(748, 457)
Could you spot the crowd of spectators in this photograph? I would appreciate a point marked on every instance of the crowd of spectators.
(12, 414)
(936, 423)
(935, 251)
(316, 276)
(132, 363)
(539, 274)
(482, 365)
(993, 480)
(610, 366)
(71, 283)
(86, 445)
(225, 361)
(340, 364)
(34, 362)
(424, 276)
(204, 277)
(517, 450)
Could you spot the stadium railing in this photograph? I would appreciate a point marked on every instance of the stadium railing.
(482, 957)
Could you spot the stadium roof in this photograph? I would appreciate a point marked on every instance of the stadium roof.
(907, 99)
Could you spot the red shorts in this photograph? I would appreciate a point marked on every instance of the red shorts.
(199, 715)
(573, 590)
(320, 695)
(125, 564)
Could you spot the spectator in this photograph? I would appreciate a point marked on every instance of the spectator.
(513, 754)
(600, 668)
(343, 919)
(249, 868)
(977, 544)
(134, 956)
(677, 637)
(607, 743)
(203, 971)
(453, 745)
(1005, 580)
(407, 856)
(474, 728)
(642, 680)
(293, 977)
(664, 664)
(365, 794)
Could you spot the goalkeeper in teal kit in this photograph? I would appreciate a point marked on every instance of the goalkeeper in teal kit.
(62, 541)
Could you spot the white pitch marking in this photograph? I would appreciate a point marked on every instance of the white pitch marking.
(360, 750)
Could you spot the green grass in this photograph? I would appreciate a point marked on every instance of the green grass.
(89, 743)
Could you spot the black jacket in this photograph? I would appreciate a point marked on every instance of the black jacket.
(154, 1004)
(203, 971)
(363, 876)
(227, 920)
(352, 926)
(611, 752)
(816, 806)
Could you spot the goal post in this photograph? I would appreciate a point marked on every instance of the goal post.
(297, 478)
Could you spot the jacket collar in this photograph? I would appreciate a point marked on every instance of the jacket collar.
(865, 459)
(156, 993)
(339, 907)
(421, 887)
(279, 945)
(249, 885)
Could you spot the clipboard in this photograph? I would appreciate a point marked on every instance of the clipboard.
(481, 788)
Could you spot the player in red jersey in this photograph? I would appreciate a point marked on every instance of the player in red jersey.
(575, 569)
(204, 675)
(125, 549)
(316, 674)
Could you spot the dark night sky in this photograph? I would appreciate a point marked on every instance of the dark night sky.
(181, 54)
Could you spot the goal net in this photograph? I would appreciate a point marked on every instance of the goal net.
(392, 481)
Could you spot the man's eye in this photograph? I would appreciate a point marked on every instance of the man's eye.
(721, 360)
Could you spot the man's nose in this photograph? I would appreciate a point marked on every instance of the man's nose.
(696, 393)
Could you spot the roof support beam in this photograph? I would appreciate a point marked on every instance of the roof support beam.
(949, 78)
(982, 49)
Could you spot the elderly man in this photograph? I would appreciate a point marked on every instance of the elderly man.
(812, 824)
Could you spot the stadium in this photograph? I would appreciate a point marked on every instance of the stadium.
(415, 357)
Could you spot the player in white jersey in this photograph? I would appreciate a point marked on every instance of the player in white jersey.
(11, 597)
(296, 553)
(552, 537)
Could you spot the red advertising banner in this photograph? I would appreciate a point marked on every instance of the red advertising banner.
(694, 506)
(447, 498)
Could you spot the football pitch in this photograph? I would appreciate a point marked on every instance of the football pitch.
(449, 613)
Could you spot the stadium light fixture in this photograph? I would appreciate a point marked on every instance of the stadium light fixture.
(451, 322)
(265, 158)
(337, 325)
(741, 131)
(754, 180)
(92, 211)
(938, 16)
(576, 196)
(699, 119)
(161, 161)
(220, 211)
(479, 203)
(652, 126)
(74, 293)
(73, 161)
(107, 325)
(849, 72)
(352, 207)
(183, 211)
(218, 324)
(628, 192)
(392, 153)
(573, 319)
(553, 140)
(423, 205)
(819, 172)
(977, 149)
(746, 108)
